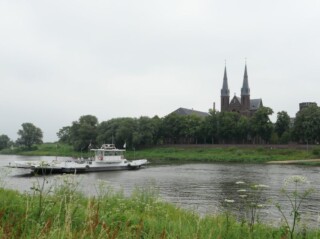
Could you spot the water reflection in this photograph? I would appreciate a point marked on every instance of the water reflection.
(200, 187)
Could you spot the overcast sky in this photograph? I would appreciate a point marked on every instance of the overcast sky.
(63, 59)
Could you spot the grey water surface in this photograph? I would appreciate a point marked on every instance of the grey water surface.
(202, 187)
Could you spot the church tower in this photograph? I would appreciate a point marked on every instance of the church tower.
(225, 93)
(245, 94)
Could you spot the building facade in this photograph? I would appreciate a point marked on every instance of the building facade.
(304, 105)
(244, 105)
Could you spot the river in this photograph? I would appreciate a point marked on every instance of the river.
(202, 187)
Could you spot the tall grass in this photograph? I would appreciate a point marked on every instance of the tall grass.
(66, 213)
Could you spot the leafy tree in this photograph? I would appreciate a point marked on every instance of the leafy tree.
(125, 133)
(107, 131)
(285, 137)
(282, 124)
(147, 131)
(29, 135)
(4, 141)
(157, 134)
(192, 128)
(307, 125)
(173, 128)
(64, 135)
(242, 129)
(84, 132)
(227, 126)
(118, 131)
(210, 126)
(260, 125)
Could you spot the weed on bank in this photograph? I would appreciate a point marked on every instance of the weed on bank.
(59, 210)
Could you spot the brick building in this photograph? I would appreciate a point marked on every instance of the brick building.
(243, 105)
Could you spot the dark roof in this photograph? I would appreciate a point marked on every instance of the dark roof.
(255, 104)
(184, 111)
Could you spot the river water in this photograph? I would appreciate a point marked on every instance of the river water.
(202, 187)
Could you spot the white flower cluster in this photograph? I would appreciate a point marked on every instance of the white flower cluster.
(295, 179)
(229, 201)
(260, 186)
(240, 182)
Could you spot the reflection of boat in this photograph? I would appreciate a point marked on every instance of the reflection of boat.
(107, 158)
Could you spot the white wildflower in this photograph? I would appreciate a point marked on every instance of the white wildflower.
(260, 186)
(240, 182)
(243, 196)
(295, 179)
(229, 201)
(241, 190)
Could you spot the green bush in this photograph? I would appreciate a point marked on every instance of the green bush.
(316, 151)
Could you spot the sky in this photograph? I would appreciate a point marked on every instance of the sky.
(63, 59)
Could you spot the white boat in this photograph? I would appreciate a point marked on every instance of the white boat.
(107, 158)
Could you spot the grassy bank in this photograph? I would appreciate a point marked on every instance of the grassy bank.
(223, 154)
(63, 212)
(188, 153)
(46, 149)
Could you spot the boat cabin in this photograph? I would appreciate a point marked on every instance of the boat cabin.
(108, 153)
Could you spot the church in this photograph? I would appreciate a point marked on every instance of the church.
(243, 105)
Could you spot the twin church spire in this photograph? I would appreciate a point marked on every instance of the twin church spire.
(245, 90)
(241, 105)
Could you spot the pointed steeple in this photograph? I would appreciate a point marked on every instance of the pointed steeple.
(245, 90)
(225, 89)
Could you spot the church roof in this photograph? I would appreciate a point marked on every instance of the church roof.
(235, 98)
(184, 111)
(255, 104)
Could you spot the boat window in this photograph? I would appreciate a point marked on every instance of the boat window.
(111, 153)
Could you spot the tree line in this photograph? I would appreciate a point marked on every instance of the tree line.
(216, 128)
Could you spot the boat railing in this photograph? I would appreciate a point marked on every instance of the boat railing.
(108, 146)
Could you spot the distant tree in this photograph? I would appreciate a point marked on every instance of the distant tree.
(157, 124)
(4, 141)
(125, 133)
(227, 126)
(307, 125)
(285, 137)
(118, 131)
(173, 128)
(193, 124)
(84, 132)
(210, 126)
(260, 125)
(29, 135)
(242, 129)
(107, 131)
(147, 131)
(64, 135)
(282, 124)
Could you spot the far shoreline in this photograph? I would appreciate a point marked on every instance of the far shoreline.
(199, 153)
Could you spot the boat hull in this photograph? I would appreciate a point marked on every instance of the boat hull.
(76, 167)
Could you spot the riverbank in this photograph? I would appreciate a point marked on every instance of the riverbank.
(63, 212)
(191, 153)
(225, 153)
